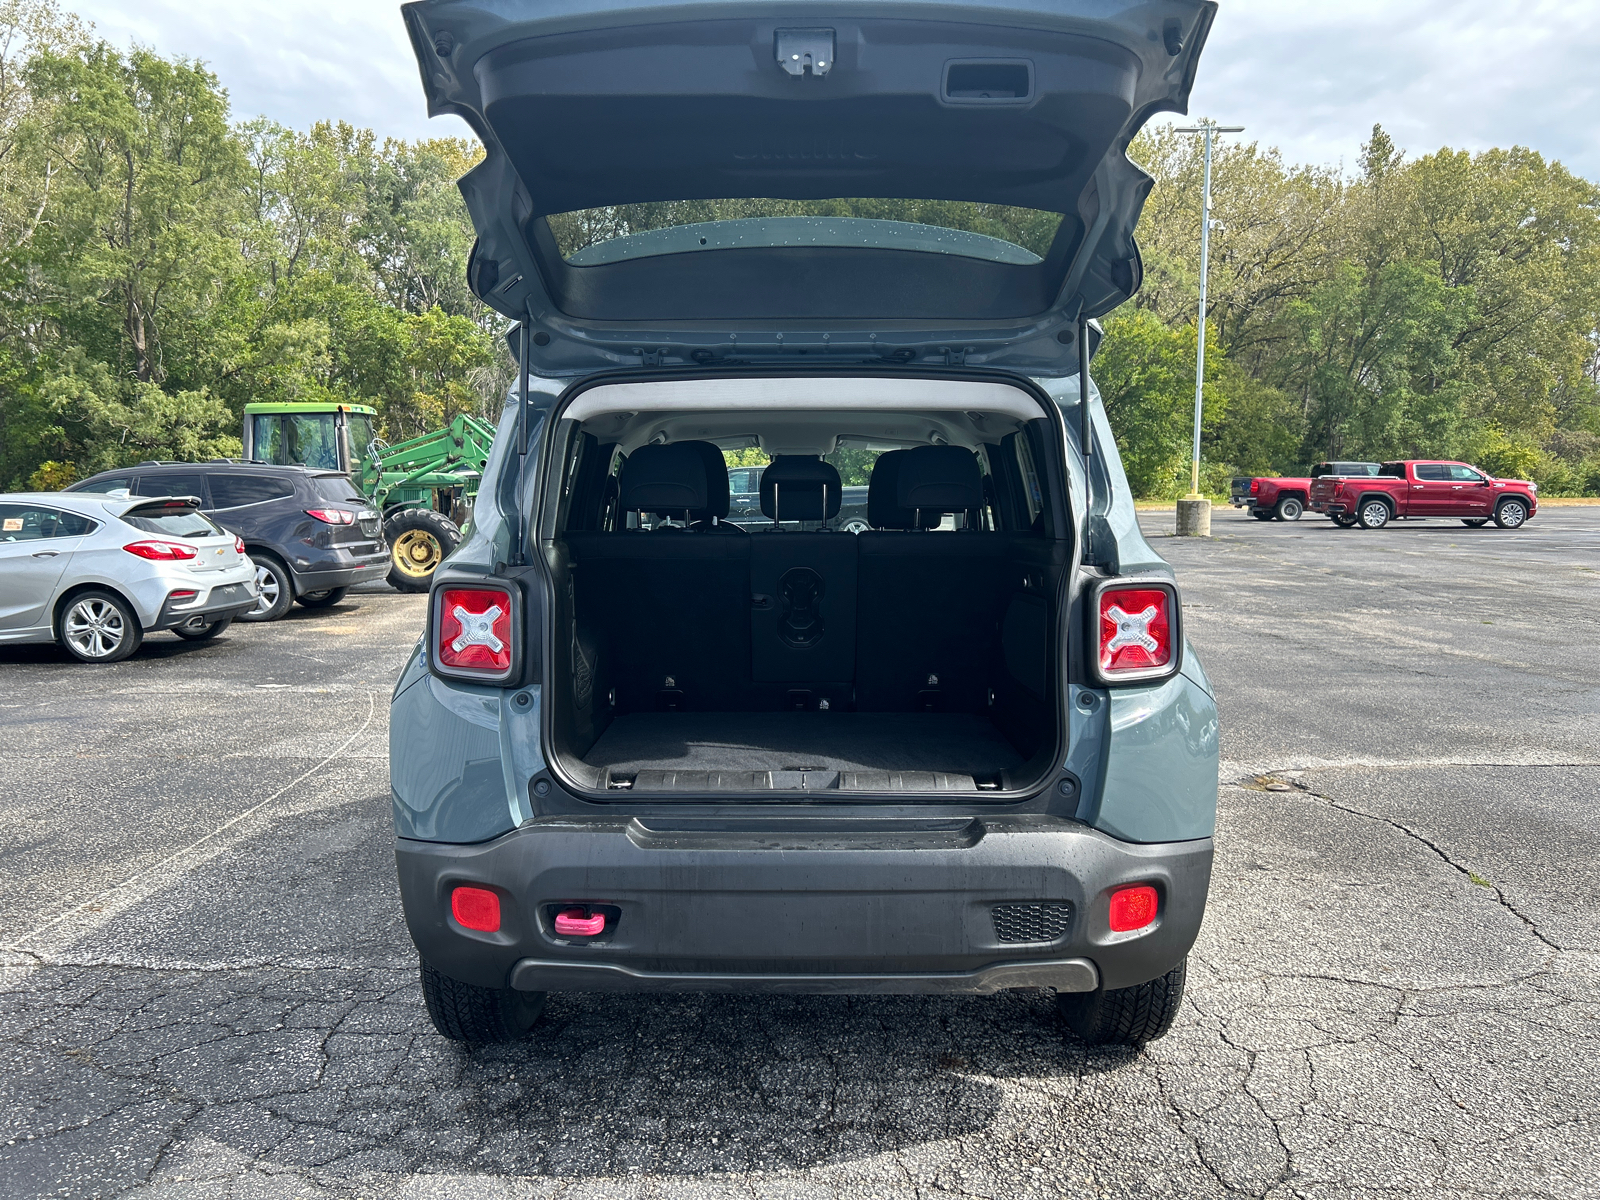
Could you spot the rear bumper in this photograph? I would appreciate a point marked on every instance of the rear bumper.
(225, 600)
(340, 570)
(803, 904)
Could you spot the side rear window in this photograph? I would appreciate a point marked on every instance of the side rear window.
(102, 486)
(1433, 472)
(235, 491)
(172, 483)
(27, 523)
(1033, 494)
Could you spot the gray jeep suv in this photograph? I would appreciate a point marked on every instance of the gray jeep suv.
(643, 747)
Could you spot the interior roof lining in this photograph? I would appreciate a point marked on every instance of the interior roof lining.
(765, 398)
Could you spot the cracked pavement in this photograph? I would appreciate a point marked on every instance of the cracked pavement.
(206, 988)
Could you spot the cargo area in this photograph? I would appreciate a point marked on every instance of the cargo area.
(699, 656)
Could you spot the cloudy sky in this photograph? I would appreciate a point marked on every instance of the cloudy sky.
(1308, 76)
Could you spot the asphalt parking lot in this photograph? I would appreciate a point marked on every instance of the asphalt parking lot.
(206, 989)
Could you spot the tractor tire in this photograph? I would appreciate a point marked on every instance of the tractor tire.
(419, 540)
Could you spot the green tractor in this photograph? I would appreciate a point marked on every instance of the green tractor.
(424, 487)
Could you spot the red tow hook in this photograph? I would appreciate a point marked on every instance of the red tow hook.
(579, 922)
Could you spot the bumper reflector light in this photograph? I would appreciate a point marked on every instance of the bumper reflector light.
(1133, 908)
(476, 908)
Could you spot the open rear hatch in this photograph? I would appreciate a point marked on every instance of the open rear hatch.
(681, 185)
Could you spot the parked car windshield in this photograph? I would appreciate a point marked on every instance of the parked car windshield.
(178, 522)
(996, 232)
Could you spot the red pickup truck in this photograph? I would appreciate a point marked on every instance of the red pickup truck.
(1267, 496)
(1425, 488)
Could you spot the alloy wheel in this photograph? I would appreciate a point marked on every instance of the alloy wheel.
(268, 588)
(1375, 515)
(95, 627)
(1511, 514)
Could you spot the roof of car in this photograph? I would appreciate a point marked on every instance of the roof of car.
(214, 466)
(115, 506)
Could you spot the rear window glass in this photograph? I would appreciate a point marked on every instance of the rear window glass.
(339, 489)
(997, 232)
(177, 522)
(234, 491)
(1432, 471)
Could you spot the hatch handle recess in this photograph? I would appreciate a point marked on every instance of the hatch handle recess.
(798, 50)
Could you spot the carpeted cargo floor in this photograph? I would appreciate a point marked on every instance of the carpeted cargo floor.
(959, 743)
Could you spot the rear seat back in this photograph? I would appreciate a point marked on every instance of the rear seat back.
(803, 587)
(669, 610)
(929, 603)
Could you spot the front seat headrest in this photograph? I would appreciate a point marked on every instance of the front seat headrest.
(793, 487)
(717, 495)
(882, 492)
(668, 480)
(940, 479)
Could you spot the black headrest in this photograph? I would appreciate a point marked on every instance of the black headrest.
(882, 491)
(717, 498)
(793, 487)
(664, 479)
(941, 479)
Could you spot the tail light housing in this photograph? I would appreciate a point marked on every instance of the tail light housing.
(238, 545)
(1138, 631)
(158, 551)
(475, 632)
(332, 516)
(1255, 487)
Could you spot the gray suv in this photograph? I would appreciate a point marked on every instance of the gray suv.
(641, 747)
(311, 534)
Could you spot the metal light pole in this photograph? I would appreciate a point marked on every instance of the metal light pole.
(1198, 507)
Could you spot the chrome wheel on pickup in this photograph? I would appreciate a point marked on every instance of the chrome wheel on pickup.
(1511, 514)
(1374, 514)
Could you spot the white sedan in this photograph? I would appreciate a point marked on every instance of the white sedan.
(95, 573)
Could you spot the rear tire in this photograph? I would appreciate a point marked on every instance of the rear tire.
(275, 587)
(325, 599)
(1126, 1016)
(1475, 522)
(1289, 509)
(419, 540)
(1374, 514)
(201, 635)
(99, 627)
(1343, 520)
(1511, 514)
(464, 1012)
(1262, 514)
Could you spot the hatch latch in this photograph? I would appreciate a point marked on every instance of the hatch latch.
(800, 50)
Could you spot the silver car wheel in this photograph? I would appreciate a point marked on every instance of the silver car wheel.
(1374, 515)
(95, 627)
(267, 590)
(1510, 515)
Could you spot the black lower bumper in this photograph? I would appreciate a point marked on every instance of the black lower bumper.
(806, 905)
(229, 600)
(325, 576)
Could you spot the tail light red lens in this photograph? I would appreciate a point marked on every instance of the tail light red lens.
(1134, 908)
(238, 545)
(158, 551)
(332, 516)
(1255, 486)
(1138, 632)
(476, 908)
(473, 632)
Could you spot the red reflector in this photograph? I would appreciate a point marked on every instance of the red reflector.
(331, 516)
(1133, 908)
(1135, 630)
(161, 551)
(183, 595)
(475, 629)
(476, 908)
